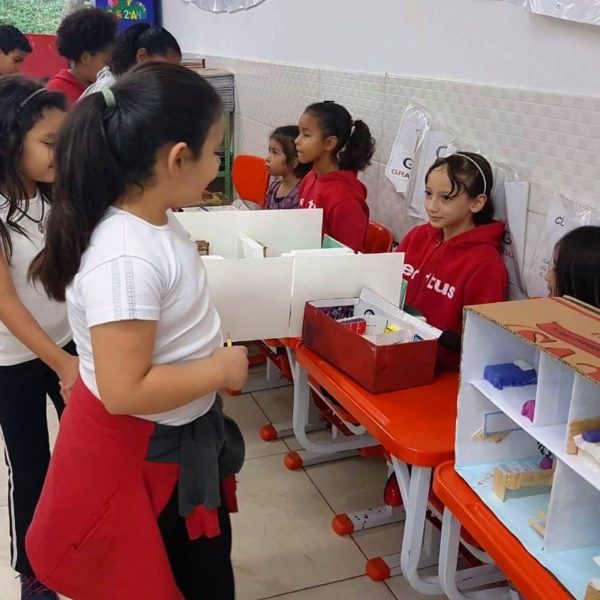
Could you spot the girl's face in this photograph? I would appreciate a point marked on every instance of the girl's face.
(37, 158)
(277, 162)
(310, 144)
(453, 215)
(195, 174)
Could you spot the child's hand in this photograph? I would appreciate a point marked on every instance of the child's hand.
(68, 374)
(235, 366)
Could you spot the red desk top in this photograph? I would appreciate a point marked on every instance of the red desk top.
(415, 425)
(532, 580)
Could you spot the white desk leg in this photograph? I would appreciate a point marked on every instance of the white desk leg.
(452, 582)
(333, 449)
(414, 529)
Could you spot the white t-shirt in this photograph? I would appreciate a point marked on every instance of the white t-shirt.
(104, 79)
(134, 270)
(52, 316)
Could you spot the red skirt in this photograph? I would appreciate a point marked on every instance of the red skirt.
(95, 535)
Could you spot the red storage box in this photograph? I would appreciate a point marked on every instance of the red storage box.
(377, 368)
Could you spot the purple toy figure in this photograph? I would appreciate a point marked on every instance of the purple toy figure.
(528, 409)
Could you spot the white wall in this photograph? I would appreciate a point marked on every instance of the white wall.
(481, 41)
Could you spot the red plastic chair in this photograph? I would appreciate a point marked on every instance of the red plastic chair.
(378, 239)
(250, 178)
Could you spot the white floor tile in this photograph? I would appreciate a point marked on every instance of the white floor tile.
(9, 585)
(360, 588)
(244, 410)
(282, 540)
(277, 403)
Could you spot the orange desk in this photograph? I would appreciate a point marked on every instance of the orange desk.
(464, 507)
(416, 426)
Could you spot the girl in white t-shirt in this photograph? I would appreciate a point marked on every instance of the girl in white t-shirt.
(142, 477)
(35, 338)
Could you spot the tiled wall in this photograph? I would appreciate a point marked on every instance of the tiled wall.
(553, 139)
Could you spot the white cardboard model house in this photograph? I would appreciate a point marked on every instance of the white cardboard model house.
(558, 521)
(261, 298)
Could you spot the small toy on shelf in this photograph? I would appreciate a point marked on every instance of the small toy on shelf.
(593, 590)
(203, 247)
(577, 428)
(528, 409)
(515, 374)
(539, 524)
(547, 461)
(591, 435)
(589, 451)
(520, 474)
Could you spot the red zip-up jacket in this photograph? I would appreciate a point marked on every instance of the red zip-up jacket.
(445, 276)
(343, 199)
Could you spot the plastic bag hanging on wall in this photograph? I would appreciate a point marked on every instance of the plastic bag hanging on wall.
(228, 6)
(414, 124)
(563, 216)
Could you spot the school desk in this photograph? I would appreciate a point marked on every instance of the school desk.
(415, 425)
(464, 508)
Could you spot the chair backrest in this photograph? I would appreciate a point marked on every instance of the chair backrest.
(378, 239)
(250, 178)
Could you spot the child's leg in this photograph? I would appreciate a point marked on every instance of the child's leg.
(27, 453)
(202, 567)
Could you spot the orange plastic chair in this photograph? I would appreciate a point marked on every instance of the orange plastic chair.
(378, 239)
(250, 178)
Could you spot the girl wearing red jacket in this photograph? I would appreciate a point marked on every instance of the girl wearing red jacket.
(339, 148)
(454, 260)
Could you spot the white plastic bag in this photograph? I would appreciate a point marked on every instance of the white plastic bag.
(413, 126)
(510, 195)
(436, 141)
(563, 216)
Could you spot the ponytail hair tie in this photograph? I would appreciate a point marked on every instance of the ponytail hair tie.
(109, 97)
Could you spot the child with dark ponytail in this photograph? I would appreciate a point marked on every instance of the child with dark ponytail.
(142, 479)
(339, 148)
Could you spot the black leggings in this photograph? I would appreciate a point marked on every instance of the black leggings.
(202, 567)
(23, 391)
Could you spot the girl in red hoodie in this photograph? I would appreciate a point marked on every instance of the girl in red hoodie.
(454, 260)
(339, 148)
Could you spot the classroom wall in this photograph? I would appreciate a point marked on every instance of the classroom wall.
(543, 117)
(482, 41)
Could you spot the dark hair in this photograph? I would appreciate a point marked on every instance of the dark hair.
(156, 40)
(577, 265)
(104, 151)
(85, 30)
(11, 39)
(355, 147)
(19, 112)
(466, 177)
(286, 137)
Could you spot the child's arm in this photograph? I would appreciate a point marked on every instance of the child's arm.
(348, 225)
(129, 384)
(21, 323)
(488, 284)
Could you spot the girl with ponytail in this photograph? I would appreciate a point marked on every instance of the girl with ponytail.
(339, 148)
(137, 499)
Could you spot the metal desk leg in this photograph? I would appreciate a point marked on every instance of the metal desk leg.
(454, 582)
(323, 451)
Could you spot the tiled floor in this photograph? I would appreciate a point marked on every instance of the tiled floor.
(283, 544)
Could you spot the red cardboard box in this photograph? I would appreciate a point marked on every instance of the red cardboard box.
(377, 368)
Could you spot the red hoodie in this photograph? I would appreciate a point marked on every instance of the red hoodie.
(343, 199)
(64, 81)
(443, 277)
